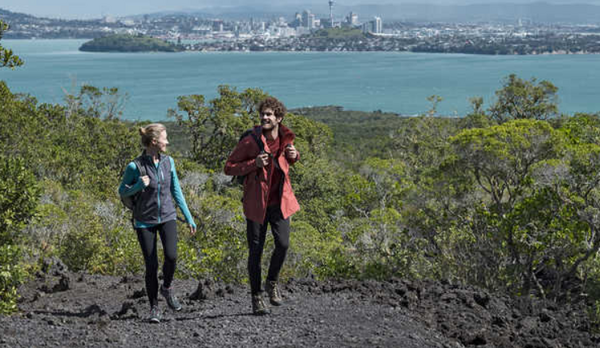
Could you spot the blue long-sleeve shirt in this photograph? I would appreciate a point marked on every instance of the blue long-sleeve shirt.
(130, 185)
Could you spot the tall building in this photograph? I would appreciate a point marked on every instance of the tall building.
(306, 19)
(297, 22)
(377, 25)
(217, 25)
(374, 27)
(352, 19)
(311, 21)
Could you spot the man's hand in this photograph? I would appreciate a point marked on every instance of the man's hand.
(291, 152)
(262, 160)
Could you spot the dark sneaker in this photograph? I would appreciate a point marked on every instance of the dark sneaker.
(274, 293)
(258, 305)
(170, 297)
(154, 315)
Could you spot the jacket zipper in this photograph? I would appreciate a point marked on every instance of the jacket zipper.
(158, 174)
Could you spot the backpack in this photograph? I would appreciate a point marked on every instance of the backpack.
(239, 179)
(129, 201)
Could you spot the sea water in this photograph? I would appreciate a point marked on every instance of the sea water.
(387, 81)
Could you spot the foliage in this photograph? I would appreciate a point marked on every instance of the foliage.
(218, 251)
(505, 198)
(19, 195)
(86, 233)
(375, 131)
(12, 274)
(81, 149)
(7, 57)
(129, 43)
(524, 99)
(339, 33)
(215, 127)
(105, 103)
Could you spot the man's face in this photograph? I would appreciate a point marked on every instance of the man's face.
(268, 120)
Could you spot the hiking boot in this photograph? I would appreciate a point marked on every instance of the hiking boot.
(169, 295)
(154, 315)
(274, 293)
(258, 305)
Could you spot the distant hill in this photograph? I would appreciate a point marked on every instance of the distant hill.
(7, 15)
(129, 43)
(538, 12)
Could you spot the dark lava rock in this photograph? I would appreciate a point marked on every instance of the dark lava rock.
(203, 291)
(93, 310)
(139, 293)
(54, 266)
(350, 313)
(482, 299)
(53, 285)
(127, 307)
(63, 284)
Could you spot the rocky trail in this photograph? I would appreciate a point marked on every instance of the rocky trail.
(63, 309)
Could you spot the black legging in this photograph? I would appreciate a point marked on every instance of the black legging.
(147, 239)
(256, 234)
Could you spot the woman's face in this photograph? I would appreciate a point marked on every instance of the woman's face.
(161, 142)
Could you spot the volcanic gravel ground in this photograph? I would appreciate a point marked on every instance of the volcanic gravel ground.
(65, 309)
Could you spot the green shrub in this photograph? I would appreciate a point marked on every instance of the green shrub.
(19, 195)
(12, 273)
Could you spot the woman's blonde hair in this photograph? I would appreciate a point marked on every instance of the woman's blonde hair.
(151, 132)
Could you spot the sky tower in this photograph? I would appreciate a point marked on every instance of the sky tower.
(331, 12)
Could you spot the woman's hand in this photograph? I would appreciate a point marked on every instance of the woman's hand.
(192, 229)
(146, 180)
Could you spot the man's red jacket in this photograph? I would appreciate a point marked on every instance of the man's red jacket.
(242, 161)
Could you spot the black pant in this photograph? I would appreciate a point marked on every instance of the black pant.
(256, 234)
(147, 239)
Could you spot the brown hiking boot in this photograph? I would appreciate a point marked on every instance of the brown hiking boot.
(274, 294)
(258, 305)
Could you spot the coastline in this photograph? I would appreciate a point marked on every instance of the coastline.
(397, 82)
(211, 49)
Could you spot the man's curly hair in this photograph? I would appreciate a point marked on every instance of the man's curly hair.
(273, 104)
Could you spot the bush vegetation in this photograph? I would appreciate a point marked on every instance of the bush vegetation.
(500, 198)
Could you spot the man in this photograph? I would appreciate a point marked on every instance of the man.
(268, 196)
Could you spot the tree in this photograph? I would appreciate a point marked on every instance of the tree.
(106, 103)
(7, 58)
(477, 118)
(519, 99)
(527, 211)
(434, 100)
(215, 128)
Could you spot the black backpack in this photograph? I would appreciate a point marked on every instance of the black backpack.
(129, 201)
(239, 179)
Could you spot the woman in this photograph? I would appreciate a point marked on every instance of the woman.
(154, 212)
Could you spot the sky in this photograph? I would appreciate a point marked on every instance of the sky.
(86, 9)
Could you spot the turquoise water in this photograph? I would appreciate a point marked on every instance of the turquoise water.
(396, 82)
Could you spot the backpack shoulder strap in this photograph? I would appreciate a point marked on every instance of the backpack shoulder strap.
(141, 167)
(256, 136)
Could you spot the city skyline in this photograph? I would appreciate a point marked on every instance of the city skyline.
(86, 9)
